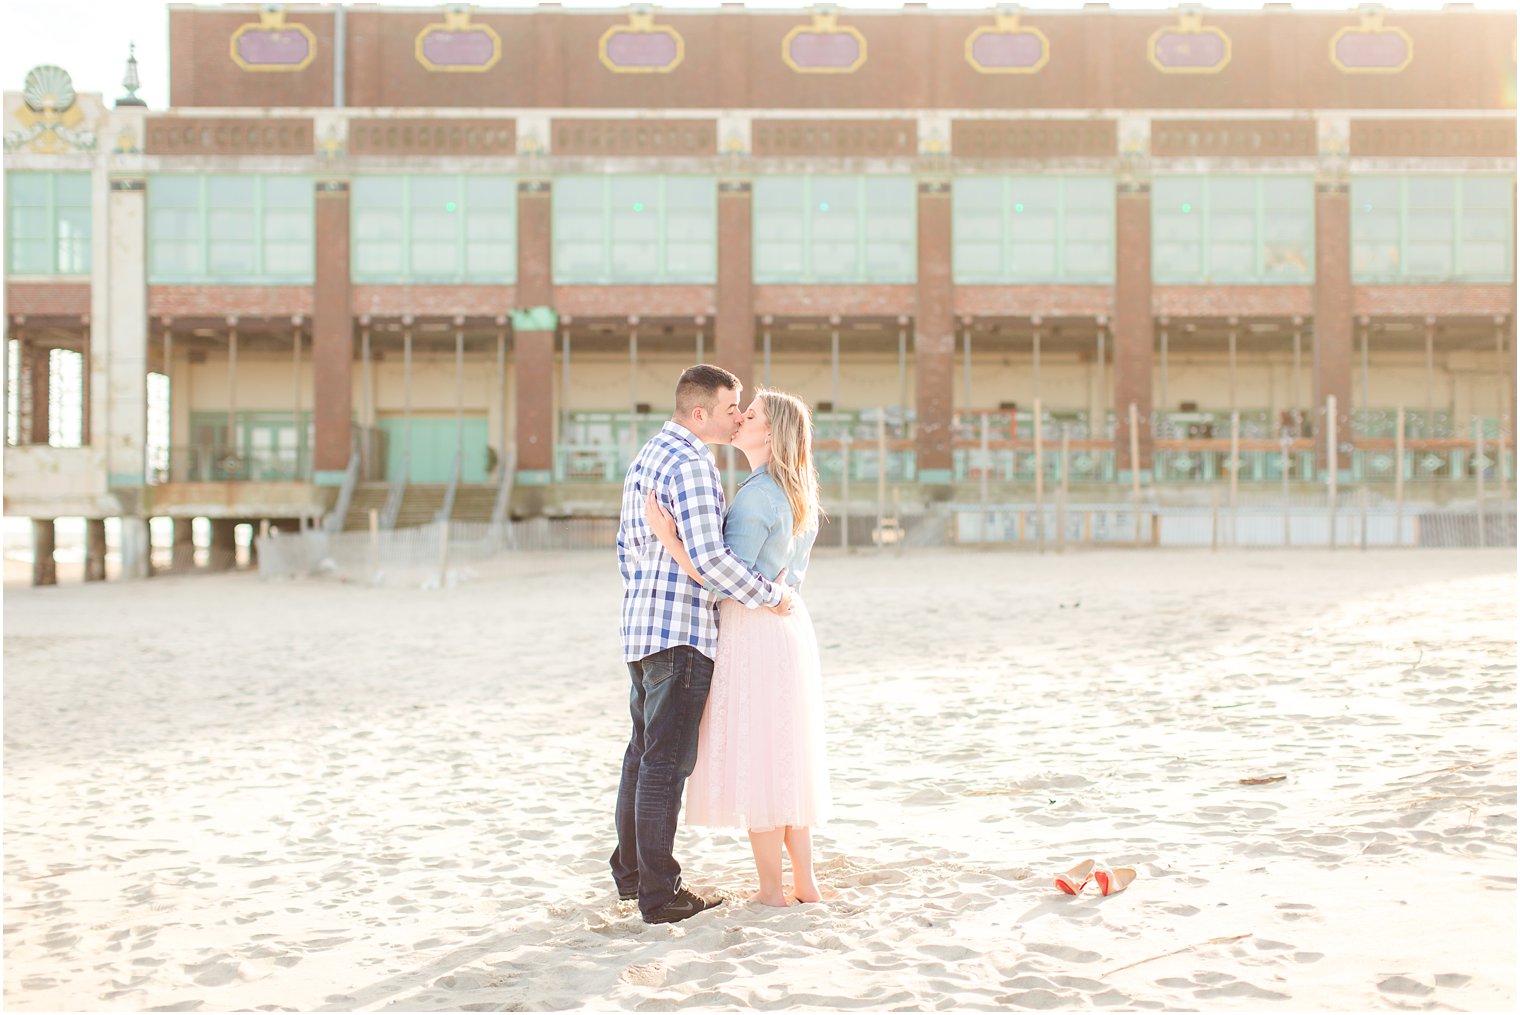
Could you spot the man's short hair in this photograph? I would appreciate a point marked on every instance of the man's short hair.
(699, 385)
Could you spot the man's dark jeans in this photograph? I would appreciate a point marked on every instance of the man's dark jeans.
(667, 696)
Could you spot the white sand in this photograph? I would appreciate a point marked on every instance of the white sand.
(226, 794)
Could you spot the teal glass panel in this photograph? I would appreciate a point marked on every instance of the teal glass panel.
(1486, 228)
(580, 210)
(634, 219)
(1177, 228)
(1376, 210)
(435, 227)
(1231, 224)
(780, 228)
(833, 211)
(1430, 214)
(1287, 252)
(691, 228)
(1088, 229)
(231, 226)
(891, 229)
(378, 207)
(47, 223)
(976, 226)
(1034, 210)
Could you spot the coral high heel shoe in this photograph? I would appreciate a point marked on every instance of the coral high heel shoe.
(1073, 881)
(1113, 880)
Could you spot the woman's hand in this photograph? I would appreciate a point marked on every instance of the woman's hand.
(661, 522)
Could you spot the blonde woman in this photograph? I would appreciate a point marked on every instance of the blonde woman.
(761, 763)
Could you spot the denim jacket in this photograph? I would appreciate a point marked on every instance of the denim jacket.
(758, 529)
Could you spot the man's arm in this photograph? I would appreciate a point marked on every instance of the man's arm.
(696, 501)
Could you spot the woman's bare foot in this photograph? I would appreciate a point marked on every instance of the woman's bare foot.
(808, 893)
(778, 900)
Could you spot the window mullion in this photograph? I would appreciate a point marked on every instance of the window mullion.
(609, 238)
(861, 215)
(203, 209)
(1059, 274)
(1456, 228)
(1205, 193)
(1005, 231)
(1258, 259)
(52, 217)
(1403, 267)
(659, 230)
(406, 227)
(259, 205)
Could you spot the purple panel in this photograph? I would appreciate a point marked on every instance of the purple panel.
(825, 49)
(1372, 49)
(1189, 49)
(1007, 49)
(273, 48)
(641, 49)
(470, 48)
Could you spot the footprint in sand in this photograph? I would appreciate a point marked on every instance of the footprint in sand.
(1404, 985)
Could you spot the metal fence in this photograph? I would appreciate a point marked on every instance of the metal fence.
(1360, 520)
(427, 555)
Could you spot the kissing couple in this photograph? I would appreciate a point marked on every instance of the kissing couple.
(725, 684)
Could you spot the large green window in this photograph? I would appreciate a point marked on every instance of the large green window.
(241, 230)
(48, 223)
(441, 228)
(629, 229)
(1251, 230)
(1420, 228)
(1051, 229)
(835, 229)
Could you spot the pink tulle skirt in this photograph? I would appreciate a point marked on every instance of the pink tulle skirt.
(761, 761)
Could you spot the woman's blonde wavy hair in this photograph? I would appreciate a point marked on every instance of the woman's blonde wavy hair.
(791, 464)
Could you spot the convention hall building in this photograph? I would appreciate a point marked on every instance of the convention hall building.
(412, 260)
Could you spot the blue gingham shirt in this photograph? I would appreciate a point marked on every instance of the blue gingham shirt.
(662, 607)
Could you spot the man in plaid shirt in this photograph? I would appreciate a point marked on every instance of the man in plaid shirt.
(670, 633)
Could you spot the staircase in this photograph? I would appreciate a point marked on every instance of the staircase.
(366, 496)
(420, 504)
(473, 503)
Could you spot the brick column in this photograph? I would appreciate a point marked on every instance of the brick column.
(534, 324)
(95, 549)
(35, 360)
(734, 344)
(934, 334)
(1333, 310)
(122, 304)
(183, 554)
(1133, 328)
(332, 353)
(223, 544)
(44, 569)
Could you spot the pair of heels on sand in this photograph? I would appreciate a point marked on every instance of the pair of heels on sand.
(1110, 880)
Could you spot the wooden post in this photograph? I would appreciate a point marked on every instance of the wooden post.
(1065, 487)
(986, 463)
(44, 567)
(374, 543)
(1214, 519)
(1039, 473)
(844, 490)
(1134, 463)
(295, 386)
(1332, 444)
(1361, 503)
(1478, 468)
(1234, 476)
(881, 476)
(1398, 479)
(1287, 497)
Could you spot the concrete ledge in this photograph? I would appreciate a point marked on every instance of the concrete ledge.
(239, 500)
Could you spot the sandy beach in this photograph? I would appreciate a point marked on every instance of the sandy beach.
(222, 793)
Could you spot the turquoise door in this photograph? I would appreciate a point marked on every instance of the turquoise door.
(433, 443)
